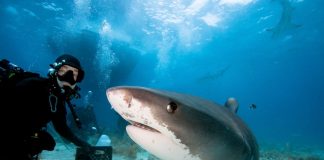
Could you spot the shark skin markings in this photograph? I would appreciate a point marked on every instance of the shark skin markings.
(174, 126)
(285, 23)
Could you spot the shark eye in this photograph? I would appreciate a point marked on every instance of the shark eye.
(172, 107)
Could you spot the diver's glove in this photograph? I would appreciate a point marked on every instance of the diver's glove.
(83, 151)
(79, 143)
(85, 146)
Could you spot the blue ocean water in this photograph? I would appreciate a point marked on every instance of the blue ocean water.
(264, 52)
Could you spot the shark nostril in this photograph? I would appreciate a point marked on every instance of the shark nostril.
(128, 100)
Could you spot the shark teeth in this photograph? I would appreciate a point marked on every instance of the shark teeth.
(140, 125)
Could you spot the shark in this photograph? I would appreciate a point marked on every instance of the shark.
(175, 126)
(285, 22)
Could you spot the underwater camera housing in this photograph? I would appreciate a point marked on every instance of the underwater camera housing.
(102, 150)
(95, 153)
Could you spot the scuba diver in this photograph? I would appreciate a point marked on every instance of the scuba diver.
(33, 103)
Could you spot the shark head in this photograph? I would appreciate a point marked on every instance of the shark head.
(175, 126)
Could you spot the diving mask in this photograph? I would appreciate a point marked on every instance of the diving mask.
(67, 77)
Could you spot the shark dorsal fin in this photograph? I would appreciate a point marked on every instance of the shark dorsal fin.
(232, 104)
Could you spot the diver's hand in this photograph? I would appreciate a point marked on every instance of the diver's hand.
(85, 146)
(83, 151)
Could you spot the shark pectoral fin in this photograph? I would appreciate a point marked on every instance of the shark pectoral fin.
(269, 29)
(232, 104)
(295, 26)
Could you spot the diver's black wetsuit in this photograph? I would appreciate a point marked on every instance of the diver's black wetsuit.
(29, 111)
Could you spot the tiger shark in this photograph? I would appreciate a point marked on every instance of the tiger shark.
(175, 126)
(285, 22)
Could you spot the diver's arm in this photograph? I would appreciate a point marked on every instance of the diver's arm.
(59, 123)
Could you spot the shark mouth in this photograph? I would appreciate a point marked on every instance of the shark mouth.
(157, 143)
(143, 126)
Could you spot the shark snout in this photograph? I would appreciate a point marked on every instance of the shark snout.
(119, 98)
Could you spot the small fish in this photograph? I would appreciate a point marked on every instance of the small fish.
(253, 106)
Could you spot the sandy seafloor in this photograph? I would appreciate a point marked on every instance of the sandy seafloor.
(61, 153)
(125, 149)
(133, 152)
